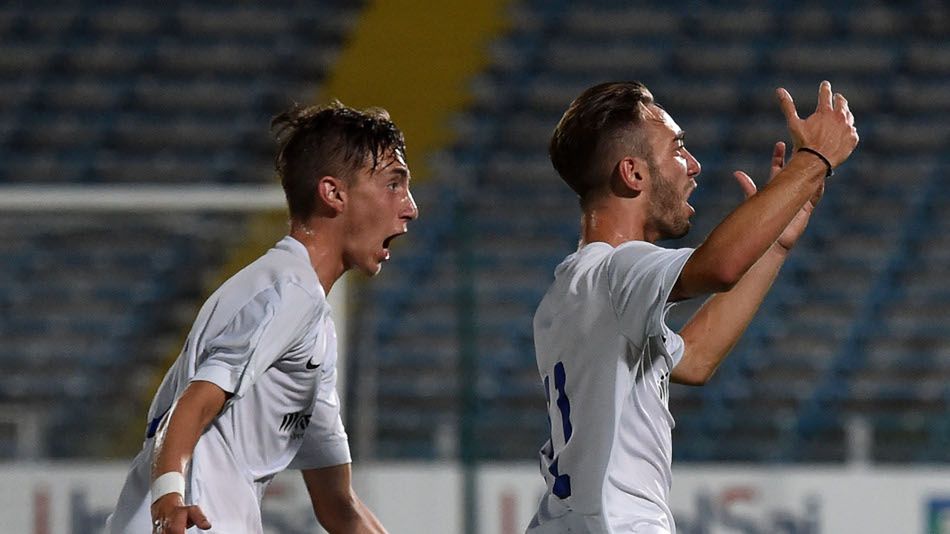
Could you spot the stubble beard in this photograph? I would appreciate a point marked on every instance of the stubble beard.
(666, 206)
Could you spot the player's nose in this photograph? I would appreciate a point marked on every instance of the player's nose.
(693, 168)
(410, 210)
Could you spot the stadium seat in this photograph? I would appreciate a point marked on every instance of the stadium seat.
(134, 93)
(848, 301)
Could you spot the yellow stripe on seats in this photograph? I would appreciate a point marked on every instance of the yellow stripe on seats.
(415, 58)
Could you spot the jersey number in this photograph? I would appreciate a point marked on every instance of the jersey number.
(562, 482)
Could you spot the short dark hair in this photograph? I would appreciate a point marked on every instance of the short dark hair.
(332, 140)
(595, 120)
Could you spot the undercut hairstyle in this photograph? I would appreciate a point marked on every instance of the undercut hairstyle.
(332, 140)
(600, 119)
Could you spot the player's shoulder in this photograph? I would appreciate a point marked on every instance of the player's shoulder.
(638, 248)
(600, 252)
(287, 267)
(588, 255)
(642, 252)
(273, 279)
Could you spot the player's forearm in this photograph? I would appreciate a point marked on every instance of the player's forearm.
(715, 329)
(348, 516)
(369, 523)
(175, 439)
(336, 505)
(174, 445)
(738, 242)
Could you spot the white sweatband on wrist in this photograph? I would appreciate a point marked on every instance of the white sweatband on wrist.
(170, 482)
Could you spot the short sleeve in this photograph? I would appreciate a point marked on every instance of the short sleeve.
(325, 443)
(641, 276)
(273, 322)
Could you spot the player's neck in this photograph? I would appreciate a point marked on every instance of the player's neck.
(612, 222)
(324, 249)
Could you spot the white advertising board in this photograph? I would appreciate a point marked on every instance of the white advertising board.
(74, 498)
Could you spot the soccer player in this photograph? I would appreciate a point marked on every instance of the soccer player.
(254, 388)
(604, 352)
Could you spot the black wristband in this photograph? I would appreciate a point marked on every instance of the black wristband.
(831, 171)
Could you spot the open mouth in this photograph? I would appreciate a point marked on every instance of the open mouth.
(388, 241)
(689, 193)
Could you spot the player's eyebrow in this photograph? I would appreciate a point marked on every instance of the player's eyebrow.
(397, 172)
(401, 171)
(679, 138)
(394, 166)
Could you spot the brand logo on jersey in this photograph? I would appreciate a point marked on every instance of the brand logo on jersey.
(311, 365)
(296, 423)
(663, 385)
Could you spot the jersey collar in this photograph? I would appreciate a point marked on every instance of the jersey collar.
(290, 245)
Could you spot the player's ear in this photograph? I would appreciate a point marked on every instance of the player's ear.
(630, 171)
(331, 192)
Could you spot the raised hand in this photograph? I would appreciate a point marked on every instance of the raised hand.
(829, 130)
(794, 230)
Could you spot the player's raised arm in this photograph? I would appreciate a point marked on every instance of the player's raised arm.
(175, 442)
(822, 141)
(335, 503)
(716, 327)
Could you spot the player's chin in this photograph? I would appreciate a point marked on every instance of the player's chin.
(680, 228)
(371, 269)
(372, 266)
(678, 233)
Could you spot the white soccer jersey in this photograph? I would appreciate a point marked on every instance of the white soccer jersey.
(267, 337)
(605, 355)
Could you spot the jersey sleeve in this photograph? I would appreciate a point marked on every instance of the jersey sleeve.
(641, 276)
(325, 442)
(273, 322)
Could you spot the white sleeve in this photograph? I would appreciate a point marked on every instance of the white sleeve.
(325, 443)
(641, 276)
(273, 322)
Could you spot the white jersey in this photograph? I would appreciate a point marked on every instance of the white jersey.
(605, 355)
(267, 337)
